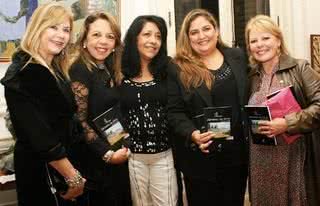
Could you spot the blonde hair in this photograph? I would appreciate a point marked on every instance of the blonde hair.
(43, 17)
(264, 23)
(85, 56)
(193, 70)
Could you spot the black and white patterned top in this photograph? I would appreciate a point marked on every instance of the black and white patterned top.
(143, 108)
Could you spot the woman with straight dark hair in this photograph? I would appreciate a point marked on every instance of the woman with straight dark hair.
(143, 106)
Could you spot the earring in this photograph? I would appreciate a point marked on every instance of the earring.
(63, 52)
(84, 46)
(113, 50)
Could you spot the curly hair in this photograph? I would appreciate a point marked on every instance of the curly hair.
(131, 65)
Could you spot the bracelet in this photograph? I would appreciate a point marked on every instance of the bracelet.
(75, 181)
(107, 156)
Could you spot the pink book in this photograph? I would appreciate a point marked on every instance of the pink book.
(281, 103)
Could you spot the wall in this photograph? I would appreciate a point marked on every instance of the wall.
(298, 19)
(130, 9)
(312, 22)
(4, 134)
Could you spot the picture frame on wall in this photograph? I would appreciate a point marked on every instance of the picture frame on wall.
(315, 51)
(15, 14)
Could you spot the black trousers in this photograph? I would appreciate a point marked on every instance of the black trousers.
(228, 189)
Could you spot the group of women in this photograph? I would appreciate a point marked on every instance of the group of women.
(52, 103)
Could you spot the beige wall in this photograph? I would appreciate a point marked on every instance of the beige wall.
(298, 19)
(130, 9)
(3, 130)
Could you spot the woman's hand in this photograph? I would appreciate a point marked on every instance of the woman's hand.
(74, 191)
(274, 127)
(203, 140)
(120, 156)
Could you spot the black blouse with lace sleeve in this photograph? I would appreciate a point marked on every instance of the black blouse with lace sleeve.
(94, 95)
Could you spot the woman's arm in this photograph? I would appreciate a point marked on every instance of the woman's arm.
(28, 112)
(177, 114)
(72, 176)
(178, 119)
(81, 88)
(308, 118)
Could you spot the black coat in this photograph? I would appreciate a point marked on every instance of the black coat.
(42, 112)
(183, 105)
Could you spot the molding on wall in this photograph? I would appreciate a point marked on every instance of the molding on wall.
(226, 21)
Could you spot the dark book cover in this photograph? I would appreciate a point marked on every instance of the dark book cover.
(255, 114)
(199, 123)
(111, 129)
(218, 121)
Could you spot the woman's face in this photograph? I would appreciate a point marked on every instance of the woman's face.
(149, 42)
(263, 46)
(54, 39)
(203, 36)
(100, 41)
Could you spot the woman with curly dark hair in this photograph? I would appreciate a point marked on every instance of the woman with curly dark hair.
(143, 106)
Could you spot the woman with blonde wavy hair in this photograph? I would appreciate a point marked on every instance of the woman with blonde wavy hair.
(286, 174)
(42, 109)
(208, 74)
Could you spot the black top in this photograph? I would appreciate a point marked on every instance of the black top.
(94, 96)
(225, 86)
(143, 106)
(98, 96)
(183, 105)
(41, 109)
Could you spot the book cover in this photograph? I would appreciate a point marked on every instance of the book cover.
(200, 123)
(281, 103)
(111, 129)
(218, 121)
(255, 114)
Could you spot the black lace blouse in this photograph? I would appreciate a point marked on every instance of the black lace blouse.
(94, 95)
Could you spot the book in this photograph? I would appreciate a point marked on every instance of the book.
(199, 123)
(111, 129)
(281, 103)
(256, 113)
(218, 121)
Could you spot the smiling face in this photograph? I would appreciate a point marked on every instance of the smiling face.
(263, 46)
(203, 36)
(149, 42)
(54, 39)
(100, 40)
